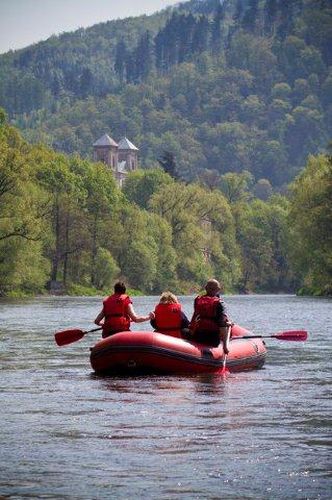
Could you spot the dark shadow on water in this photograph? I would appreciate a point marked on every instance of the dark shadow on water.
(202, 384)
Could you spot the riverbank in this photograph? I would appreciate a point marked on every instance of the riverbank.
(72, 291)
(81, 291)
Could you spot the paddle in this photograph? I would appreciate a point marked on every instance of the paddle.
(68, 336)
(225, 370)
(292, 335)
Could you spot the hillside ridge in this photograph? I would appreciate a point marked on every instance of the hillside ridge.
(232, 86)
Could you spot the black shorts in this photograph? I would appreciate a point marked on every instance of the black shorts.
(207, 338)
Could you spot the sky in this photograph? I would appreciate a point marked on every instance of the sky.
(23, 22)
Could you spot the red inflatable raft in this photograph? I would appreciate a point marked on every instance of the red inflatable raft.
(153, 352)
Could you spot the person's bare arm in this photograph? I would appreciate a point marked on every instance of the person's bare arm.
(225, 326)
(135, 318)
(100, 317)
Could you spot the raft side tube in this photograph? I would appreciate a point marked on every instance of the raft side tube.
(158, 353)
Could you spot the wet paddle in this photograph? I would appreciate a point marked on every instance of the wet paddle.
(69, 336)
(291, 335)
(225, 370)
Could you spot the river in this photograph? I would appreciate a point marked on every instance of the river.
(67, 434)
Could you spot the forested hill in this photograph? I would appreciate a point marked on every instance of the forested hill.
(224, 86)
(65, 224)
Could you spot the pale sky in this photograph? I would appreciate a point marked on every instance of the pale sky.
(23, 22)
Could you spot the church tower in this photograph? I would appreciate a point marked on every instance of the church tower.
(121, 158)
(128, 153)
(106, 151)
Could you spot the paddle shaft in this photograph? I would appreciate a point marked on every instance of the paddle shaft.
(224, 369)
(94, 330)
(295, 336)
(255, 337)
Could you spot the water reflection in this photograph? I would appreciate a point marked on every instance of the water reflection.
(66, 433)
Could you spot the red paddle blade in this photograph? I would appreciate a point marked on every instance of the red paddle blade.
(68, 336)
(224, 370)
(293, 335)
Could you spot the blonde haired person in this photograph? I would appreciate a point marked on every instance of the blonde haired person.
(168, 316)
(168, 298)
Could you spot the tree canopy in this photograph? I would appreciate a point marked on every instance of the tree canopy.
(242, 86)
(65, 222)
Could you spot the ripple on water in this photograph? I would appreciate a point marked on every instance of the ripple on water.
(66, 433)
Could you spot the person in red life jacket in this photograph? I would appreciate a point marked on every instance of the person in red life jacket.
(169, 317)
(210, 324)
(118, 312)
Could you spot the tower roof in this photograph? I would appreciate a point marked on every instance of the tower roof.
(105, 140)
(126, 144)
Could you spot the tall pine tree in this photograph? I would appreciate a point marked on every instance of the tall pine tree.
(120, 60)
(216, 30)
(250, 16)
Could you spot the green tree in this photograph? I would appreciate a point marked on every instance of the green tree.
(65, 189)
(270, 13)
(203, 232)
(263, 189)
(216, 39)
(263, 235)
(137, 250)
(250, 16)
(166, 262)
(120, 59)
(100, 202)
(142, 184)
(105, 269)
(22, 225)
(168, 163)
(236, 187)
(311, 223)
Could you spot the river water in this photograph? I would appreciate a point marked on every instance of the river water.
(66, 433)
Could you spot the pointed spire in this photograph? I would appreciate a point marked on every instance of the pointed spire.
(105, 140)
(126, 144)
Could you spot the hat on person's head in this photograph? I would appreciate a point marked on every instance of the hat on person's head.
(212, 286)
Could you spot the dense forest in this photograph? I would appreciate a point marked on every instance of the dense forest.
(230, 104)
(63, 220)
(223, 86)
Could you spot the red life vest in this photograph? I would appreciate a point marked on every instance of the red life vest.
(115, 311)
(205, 314)
(168, 319)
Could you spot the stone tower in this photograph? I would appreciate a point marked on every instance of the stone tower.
(128, 153)
(121, 158)
(106, 151)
